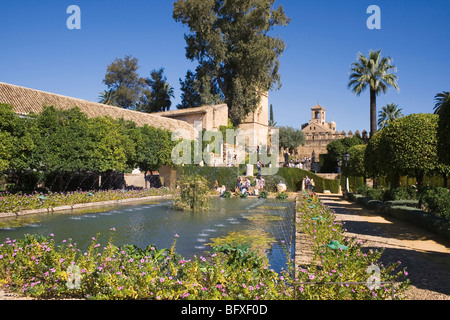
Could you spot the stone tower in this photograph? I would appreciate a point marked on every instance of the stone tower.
(256, 123)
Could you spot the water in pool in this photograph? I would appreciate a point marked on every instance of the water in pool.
(265, 222)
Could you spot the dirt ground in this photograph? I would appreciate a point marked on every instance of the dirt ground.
(426, 255)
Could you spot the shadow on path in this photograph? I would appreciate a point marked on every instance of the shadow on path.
(425, 255)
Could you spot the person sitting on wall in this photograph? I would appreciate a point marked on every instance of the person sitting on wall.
(222, 190)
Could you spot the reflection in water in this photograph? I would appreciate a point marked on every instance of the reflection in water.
(262, 221)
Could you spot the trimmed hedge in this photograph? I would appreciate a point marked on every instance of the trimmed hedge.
(294, 176)
(291, 176)
(406, 210)
(420, 218)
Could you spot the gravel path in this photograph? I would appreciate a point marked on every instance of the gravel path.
(426, 255)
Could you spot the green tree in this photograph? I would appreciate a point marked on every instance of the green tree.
(441, 99)
(198, 89)
(190, 97)
(336, 149)
(6, 150)
(443, 111)
(122, 77)
(373, 72)
(63, 143)
(356, 165)
(153, 148)
(113, 147)
(272, 122)
(231, 42)
(374, 162)
(388, 113)
(156, 97)
(108, 97)
(16, 143)
(290, 138)
(409, 147)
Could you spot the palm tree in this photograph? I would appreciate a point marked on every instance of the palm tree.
(168, 93)
(108, 97)
(373, 72)
(441, 99)
(388, 113)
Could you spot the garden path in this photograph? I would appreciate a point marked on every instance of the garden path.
(426, 255)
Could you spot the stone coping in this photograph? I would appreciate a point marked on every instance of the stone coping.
(80, 206)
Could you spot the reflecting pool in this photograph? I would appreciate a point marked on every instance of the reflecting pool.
(264, 223)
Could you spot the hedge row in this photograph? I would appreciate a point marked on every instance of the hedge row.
(406, 210)
(291, 176)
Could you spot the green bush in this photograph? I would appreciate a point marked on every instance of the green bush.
(375, 193)
(282, 196)
(406, 203)
(193, 194)
(436, 201)
(348, 261)
(224, 176)
(263, 195)
(363, 190)
(39, 267)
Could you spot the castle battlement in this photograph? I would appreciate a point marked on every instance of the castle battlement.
(319, 133)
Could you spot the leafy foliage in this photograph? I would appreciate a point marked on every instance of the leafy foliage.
(231, 42)
(443, 134)
(436, 201)
(409, 146)
(37, 266)
(290, 138)
(122, 78)
(348, 262)
(193, 194)
(335, 151)
(389, 113)
(57, 146)
(373, 72)
(156, 97)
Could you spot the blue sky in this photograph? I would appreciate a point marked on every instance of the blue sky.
(323, 39)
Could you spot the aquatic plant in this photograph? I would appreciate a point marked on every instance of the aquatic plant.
(193, 194)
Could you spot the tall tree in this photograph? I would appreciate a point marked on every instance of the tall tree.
(272, 122)
(443, 110)
(230, 40)
(157, 95)
(373, 72)
(190, 97)
(441, 99)
(122, 77)
(388, 113)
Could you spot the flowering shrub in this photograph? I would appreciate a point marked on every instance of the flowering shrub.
(39, 267)
(337, 258)
(18, 202)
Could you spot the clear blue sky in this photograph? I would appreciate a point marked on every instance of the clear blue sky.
(323, 39)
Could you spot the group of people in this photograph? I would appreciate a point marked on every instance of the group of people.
(309, 183)
(243, 185)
